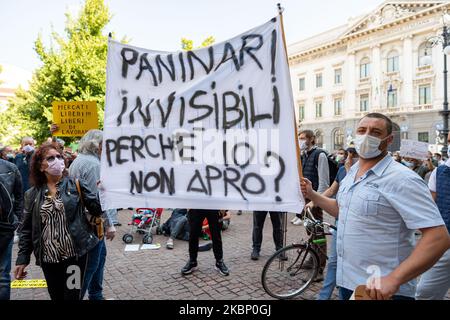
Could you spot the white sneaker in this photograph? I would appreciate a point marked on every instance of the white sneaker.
(293, 221)
(298, 222)
(169, 244)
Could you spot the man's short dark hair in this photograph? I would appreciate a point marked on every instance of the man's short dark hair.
(345, 151)
(309, 134)
(383, 117)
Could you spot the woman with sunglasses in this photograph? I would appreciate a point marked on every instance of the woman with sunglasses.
(55, 226)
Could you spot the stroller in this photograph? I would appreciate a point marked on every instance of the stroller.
(142, 222)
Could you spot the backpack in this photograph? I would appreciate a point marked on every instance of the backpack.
(6, 202)
(332, 165)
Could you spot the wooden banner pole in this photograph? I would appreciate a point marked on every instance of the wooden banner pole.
(299, 159)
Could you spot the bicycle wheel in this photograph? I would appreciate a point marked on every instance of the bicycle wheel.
(290, 271)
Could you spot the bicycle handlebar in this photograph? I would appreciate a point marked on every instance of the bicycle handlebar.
(315, 221)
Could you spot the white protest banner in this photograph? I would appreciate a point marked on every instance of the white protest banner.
(414, 149)
(211, 128)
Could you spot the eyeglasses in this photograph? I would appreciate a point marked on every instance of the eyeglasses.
(52, 158)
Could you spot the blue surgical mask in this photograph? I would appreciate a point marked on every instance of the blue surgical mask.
(409, 164)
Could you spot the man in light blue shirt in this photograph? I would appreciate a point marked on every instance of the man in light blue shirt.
(380, 203)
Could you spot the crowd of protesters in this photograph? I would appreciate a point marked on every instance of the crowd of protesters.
(381, 201)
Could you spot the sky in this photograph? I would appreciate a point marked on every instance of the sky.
(160, 24)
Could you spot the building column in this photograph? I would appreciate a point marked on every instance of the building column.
(377, 76)
(407, 71)
(437, 88)
(350, 106)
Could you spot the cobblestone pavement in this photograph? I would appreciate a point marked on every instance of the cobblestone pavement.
(155, 274)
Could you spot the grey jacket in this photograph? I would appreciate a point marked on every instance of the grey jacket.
(11, 197)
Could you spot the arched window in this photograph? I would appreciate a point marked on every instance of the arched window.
(338, 138)
(364, 68)
(424, 52)
(319, 138)
(392, 61)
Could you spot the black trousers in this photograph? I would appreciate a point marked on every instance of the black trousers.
(259, 217)
(65, 279)
(196, 217)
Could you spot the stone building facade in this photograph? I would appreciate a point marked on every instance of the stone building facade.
(374, 63)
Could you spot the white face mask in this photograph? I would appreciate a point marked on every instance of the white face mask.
(303, 145)
(409, 164)
(28, 148)
(367, 146)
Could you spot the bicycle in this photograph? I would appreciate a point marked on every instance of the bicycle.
(292, 269)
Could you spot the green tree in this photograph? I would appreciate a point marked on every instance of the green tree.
(188, 45)
(11, 127)
(73, 70)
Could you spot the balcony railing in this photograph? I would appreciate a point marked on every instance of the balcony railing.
(425, 68)
(397, 109)
(392, 73)
(361, 113)
(423, 107)
(364, 80)
(394, 109)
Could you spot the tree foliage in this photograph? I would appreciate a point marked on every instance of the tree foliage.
(74, 69)
(12, 128)
(188, 45)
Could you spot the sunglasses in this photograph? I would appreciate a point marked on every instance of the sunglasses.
(52, 158)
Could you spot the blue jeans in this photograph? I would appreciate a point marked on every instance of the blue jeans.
(434, 283)
(112, 214)
(93, 279)
(330, 280)
(181, 229)
(345, 294)
(5, 272)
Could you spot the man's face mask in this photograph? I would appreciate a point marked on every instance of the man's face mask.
(340, 157)
(303, 144)
(368, 146)
(28, 148)
(409, 164)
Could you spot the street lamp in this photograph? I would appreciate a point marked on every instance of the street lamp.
(443, 39)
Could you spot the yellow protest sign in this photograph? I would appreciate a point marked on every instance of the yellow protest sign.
(74, 118)
(28, 284)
